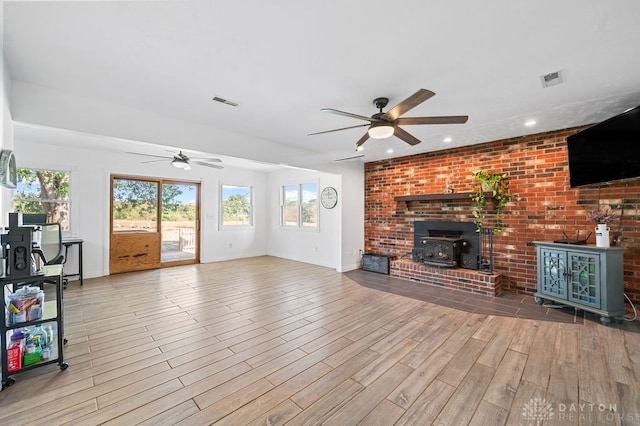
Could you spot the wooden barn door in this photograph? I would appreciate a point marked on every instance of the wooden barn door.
(135, 232)
(154, 223)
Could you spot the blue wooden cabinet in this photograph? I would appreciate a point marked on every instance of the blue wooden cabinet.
(583, 276)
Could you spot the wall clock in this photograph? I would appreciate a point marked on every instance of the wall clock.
(8, 171)
(329, 197)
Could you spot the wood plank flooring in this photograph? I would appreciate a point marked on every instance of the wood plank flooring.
(267, 341)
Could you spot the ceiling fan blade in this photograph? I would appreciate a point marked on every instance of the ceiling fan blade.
(348, 114)
(405, 136)
(362, 140)
(337, 130)
(411, 102)
(445, 119)
(153, 161)
(207, 160)
(149, 155)
(202, 163)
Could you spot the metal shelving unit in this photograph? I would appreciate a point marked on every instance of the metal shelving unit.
(52, 313)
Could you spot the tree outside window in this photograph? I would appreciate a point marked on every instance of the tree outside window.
(43, 191)
(236, 205)
(290, 199)
(300, 205)
(135, 205)
(309, 196)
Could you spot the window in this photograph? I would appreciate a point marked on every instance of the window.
(290, 205)
(300, 205)
(309, 195)
(236, 205)
(134, 205)
(43, 192)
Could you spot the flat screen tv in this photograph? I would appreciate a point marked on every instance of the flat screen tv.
(606, 152)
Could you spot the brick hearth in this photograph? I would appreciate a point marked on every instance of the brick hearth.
(456, 278)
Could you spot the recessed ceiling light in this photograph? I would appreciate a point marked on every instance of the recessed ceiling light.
(390, 151)
(530, 123)
(447, 140)
(359, 148)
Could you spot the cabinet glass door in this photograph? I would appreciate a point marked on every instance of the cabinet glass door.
(553, 273)
(584, 284)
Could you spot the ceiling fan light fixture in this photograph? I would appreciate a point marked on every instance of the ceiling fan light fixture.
(380, 130)
(180, 164)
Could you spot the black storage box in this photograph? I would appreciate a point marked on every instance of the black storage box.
(380, 263)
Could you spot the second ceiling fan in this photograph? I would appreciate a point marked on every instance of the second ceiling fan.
(384, 124)
(181, 160)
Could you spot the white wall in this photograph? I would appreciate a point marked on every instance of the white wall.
(41, 106)
(337, 244)
(6, 129)
(90, 173)
(320, 246)
(352, 217)
(224, 243)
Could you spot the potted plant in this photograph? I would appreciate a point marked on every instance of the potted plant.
(602, 218)
(495, 184)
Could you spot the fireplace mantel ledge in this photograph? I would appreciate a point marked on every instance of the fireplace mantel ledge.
(435, 197)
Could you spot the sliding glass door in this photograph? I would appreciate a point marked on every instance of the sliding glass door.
(154, 223)
(180, 212)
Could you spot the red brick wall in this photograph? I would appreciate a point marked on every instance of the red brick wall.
(542, 205)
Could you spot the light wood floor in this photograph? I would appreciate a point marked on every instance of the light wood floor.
(266, 341)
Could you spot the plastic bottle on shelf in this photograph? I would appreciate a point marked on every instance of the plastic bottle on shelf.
(37, 342)
(50, 336)
(41, 334)
(26, 332)
(45, 353)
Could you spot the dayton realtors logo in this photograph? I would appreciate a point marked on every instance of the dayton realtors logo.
(537, 409)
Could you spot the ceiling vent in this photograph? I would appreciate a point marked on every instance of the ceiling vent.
(551, 79)
(225, 101)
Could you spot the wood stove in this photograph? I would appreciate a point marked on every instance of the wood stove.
(446, 244)
(442, 251)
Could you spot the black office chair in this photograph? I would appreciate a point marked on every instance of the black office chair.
(50, 248)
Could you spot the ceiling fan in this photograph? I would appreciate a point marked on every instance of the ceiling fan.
(182, 161)
(384, 124)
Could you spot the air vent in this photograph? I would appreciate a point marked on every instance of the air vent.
(551, 79)
(349, 158)
(225, 101)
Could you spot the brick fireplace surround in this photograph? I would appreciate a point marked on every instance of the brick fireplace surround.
(542, 208)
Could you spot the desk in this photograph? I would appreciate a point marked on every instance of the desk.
(68, 242)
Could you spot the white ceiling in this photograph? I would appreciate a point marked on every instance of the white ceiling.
(284, 60)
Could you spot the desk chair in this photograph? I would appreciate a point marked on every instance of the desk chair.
(50, 248)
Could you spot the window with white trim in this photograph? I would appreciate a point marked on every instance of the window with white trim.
(44, 192)
(299, 206)
(237, 206)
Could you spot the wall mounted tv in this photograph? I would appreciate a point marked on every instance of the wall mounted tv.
(606, 152)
